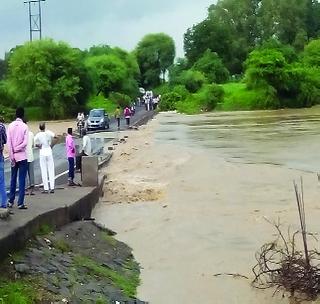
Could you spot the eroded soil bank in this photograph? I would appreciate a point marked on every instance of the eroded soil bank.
(189, 211)
(81, 263)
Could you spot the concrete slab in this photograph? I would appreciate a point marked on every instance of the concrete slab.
(55, 210)
(90, 171)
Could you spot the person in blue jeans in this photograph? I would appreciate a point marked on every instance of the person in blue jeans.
(3, 141)
(17, 144)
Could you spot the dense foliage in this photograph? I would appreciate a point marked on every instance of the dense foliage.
(155, 54)
(233, 28)
(245, 55)
(49, 74)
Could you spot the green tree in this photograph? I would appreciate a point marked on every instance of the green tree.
(266, 67)
(48, 74)
(113, 70)
(230, 30)
(311, 54)
(3, 68)
(155, 54)
(212, 67)
(192, 80)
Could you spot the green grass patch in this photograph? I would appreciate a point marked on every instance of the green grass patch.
(44, 229)
(19, 292)
(239, 97)
(127, 280)
(102, 301)
(61, 245)
(189, 106)
(100, 102)
(108, 238)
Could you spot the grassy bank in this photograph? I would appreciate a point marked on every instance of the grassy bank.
(238, 97)
(80, 263)
(233, 96)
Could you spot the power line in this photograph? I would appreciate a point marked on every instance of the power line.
(35, 18)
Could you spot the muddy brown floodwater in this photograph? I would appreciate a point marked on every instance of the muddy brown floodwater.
(190, 195)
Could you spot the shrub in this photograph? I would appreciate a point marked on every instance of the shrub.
(192, 80)
(162, 89)
(181, 90)
(211, 65)
(120, 99)
(309, 91)
(209, 96)
(7, 113)
(169, 101)
(36, 113)
(239, 97)
(99, 102)
(6, 97)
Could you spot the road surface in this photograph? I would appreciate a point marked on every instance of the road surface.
(59, 155)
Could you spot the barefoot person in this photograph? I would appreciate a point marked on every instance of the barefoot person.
(71, 153)
(43, 141)
(3, 141)
(17, 144)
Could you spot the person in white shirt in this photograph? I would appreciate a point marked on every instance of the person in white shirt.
(43, 141)
(30, 158)
(86, 144)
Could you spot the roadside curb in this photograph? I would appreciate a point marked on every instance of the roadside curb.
(80, 209)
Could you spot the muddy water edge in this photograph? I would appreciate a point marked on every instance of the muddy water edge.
(190, 195)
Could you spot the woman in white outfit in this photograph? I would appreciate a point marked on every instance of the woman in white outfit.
(43, 141)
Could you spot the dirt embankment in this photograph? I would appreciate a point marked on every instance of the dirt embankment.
(79, 264)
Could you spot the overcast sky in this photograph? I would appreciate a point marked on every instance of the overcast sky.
(83, 23)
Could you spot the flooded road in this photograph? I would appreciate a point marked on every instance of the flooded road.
(220, 177)
(289, 138)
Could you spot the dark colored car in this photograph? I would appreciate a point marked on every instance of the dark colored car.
(98, 119)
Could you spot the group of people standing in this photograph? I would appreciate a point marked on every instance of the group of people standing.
(128, 112)
(151, 101)
(21, 143)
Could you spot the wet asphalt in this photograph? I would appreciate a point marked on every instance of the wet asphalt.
(59, 154)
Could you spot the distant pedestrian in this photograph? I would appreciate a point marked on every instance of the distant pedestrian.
(30, 157)
(133, 109)
(43, 140)
(117, 116)
(71, 153)
(3, 141)
(86, 144)
(17, 144)
(127, 115)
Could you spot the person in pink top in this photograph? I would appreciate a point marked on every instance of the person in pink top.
(71, 154)
(17, 144)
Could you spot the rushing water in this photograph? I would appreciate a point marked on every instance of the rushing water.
(222, 175)
(289, 138)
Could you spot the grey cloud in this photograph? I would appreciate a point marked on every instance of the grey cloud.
(83, 23)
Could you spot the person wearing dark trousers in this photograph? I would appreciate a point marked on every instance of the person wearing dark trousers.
(3, 141)
(17, 144)
(127, 115)
(71, 154)
(117, 115)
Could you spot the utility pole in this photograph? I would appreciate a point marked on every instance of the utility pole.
(35, 18)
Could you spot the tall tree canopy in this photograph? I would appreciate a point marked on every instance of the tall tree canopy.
(233, 28)
(113, 70)
(49, 74)
(155, 54)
